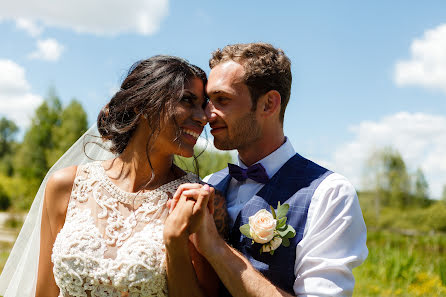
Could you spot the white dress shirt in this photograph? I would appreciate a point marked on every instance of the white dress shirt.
(334, 240)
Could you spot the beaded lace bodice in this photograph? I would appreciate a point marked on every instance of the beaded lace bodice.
(112, 241)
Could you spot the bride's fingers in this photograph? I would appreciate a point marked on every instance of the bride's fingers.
(185, 187)
(178, 193)
(191, 194)
(198, 195)
(184, 206)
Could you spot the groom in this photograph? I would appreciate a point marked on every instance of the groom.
(249, 87)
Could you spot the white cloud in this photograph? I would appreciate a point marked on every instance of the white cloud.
(16, 100)
(48, 50)
(419, 137)
(427, 64)
(104, 17)
(29, 26)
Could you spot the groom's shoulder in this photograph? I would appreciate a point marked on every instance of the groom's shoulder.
(330, 181)
(320, 177)
(217, 176)
(306, 168)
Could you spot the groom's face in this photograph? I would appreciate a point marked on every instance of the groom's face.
(233, 121)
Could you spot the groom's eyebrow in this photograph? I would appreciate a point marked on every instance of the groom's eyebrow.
(219, 92)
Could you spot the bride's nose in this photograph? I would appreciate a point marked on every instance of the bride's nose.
(199, 116)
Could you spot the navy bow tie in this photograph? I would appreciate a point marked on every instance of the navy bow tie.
(255, 172)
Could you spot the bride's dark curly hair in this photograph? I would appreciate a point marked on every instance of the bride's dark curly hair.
(151, 89)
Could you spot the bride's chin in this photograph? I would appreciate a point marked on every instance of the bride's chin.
(187, 153)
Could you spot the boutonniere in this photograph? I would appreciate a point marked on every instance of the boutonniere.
(269, 228)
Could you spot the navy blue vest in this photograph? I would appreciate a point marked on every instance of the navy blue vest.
(294, 183)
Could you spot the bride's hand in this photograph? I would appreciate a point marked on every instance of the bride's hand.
(188, 213)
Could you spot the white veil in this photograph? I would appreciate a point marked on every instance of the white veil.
(19, 276)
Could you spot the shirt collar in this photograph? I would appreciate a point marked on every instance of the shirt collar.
(274, 161)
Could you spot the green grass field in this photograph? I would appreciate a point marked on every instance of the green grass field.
(402, 265)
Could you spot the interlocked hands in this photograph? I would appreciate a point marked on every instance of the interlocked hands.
(191, 210)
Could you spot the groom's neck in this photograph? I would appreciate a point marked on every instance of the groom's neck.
(264, 146)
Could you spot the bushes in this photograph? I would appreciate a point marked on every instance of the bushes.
(431, 218)
(208, 161)
(5, 202)
(20, 191)
(435, 216)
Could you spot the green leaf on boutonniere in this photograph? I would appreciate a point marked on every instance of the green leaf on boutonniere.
(287, 232)
(271, 252)
(281, 223)
(285, 242)
(290, 234)
(282, 210)
(273, 211)
(245, 230)
(282, 228)
(293, 233)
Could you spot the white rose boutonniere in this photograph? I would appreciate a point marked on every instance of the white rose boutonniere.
(269, 228)
(262, 226)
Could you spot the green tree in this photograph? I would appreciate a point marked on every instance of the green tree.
(421, 188)
(73, 123)
(52, 131)
(390, 178)
(5, 201)
(32, 157)
(8, 130)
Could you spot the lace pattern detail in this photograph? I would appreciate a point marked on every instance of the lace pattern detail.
(105, 248)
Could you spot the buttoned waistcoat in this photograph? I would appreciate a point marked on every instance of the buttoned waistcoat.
(294, 183)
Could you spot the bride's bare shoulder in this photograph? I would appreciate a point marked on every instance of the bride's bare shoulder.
(58, 189)
(62, 180)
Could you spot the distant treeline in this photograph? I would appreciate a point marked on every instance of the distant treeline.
(397, 199)
(24, 164)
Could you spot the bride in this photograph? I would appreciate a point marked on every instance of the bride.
(105, 228)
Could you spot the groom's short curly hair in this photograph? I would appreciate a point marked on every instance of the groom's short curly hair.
(266, 68)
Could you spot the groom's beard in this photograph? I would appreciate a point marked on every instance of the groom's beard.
(243, 132)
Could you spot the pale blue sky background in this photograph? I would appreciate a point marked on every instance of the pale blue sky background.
(349, 97)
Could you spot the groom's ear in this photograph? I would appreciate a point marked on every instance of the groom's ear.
(269, 104)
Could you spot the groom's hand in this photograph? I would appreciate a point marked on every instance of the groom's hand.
(206, 237)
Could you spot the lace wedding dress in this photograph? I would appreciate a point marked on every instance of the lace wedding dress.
(111, 244)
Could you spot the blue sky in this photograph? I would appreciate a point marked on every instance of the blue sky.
(365, 74)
